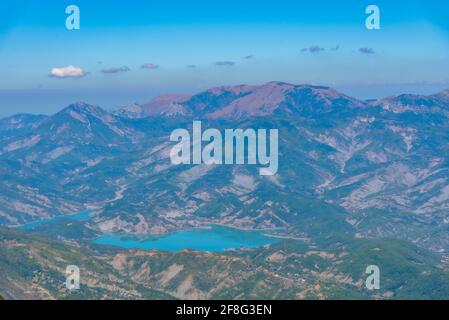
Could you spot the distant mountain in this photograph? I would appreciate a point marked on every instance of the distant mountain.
(274, 98)
(244, 101)
(347, 167)
(167, 105)
(436, 103)
(84, 123)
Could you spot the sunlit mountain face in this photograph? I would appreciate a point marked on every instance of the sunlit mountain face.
(348, 103)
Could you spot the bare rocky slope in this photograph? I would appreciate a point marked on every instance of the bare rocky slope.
(382, 166)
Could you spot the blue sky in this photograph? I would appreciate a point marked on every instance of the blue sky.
(200, 44)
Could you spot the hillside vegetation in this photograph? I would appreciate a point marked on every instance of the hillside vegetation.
(289, 269)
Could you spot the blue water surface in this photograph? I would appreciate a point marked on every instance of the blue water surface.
(81, 216)
(213, 239)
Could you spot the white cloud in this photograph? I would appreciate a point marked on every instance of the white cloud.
(67, 72)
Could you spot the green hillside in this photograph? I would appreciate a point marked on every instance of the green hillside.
(289, 269)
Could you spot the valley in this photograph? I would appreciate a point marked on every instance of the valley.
(35, 269)
(358, 183)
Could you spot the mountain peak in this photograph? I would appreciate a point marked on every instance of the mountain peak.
(81, 106)
(280, 97)
(83, 109)
(131, 111)
(245, 100)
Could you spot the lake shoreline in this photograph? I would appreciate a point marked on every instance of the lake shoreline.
(207, 236)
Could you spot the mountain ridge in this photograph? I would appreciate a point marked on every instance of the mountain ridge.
(177, 104)
(346, 166)
(242, 101)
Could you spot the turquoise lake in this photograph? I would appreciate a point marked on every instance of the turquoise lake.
(213, 238)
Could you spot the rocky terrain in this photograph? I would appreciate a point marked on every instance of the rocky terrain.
(360, 172)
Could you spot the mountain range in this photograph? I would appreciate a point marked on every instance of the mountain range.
(348, 169)
(375, 162)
